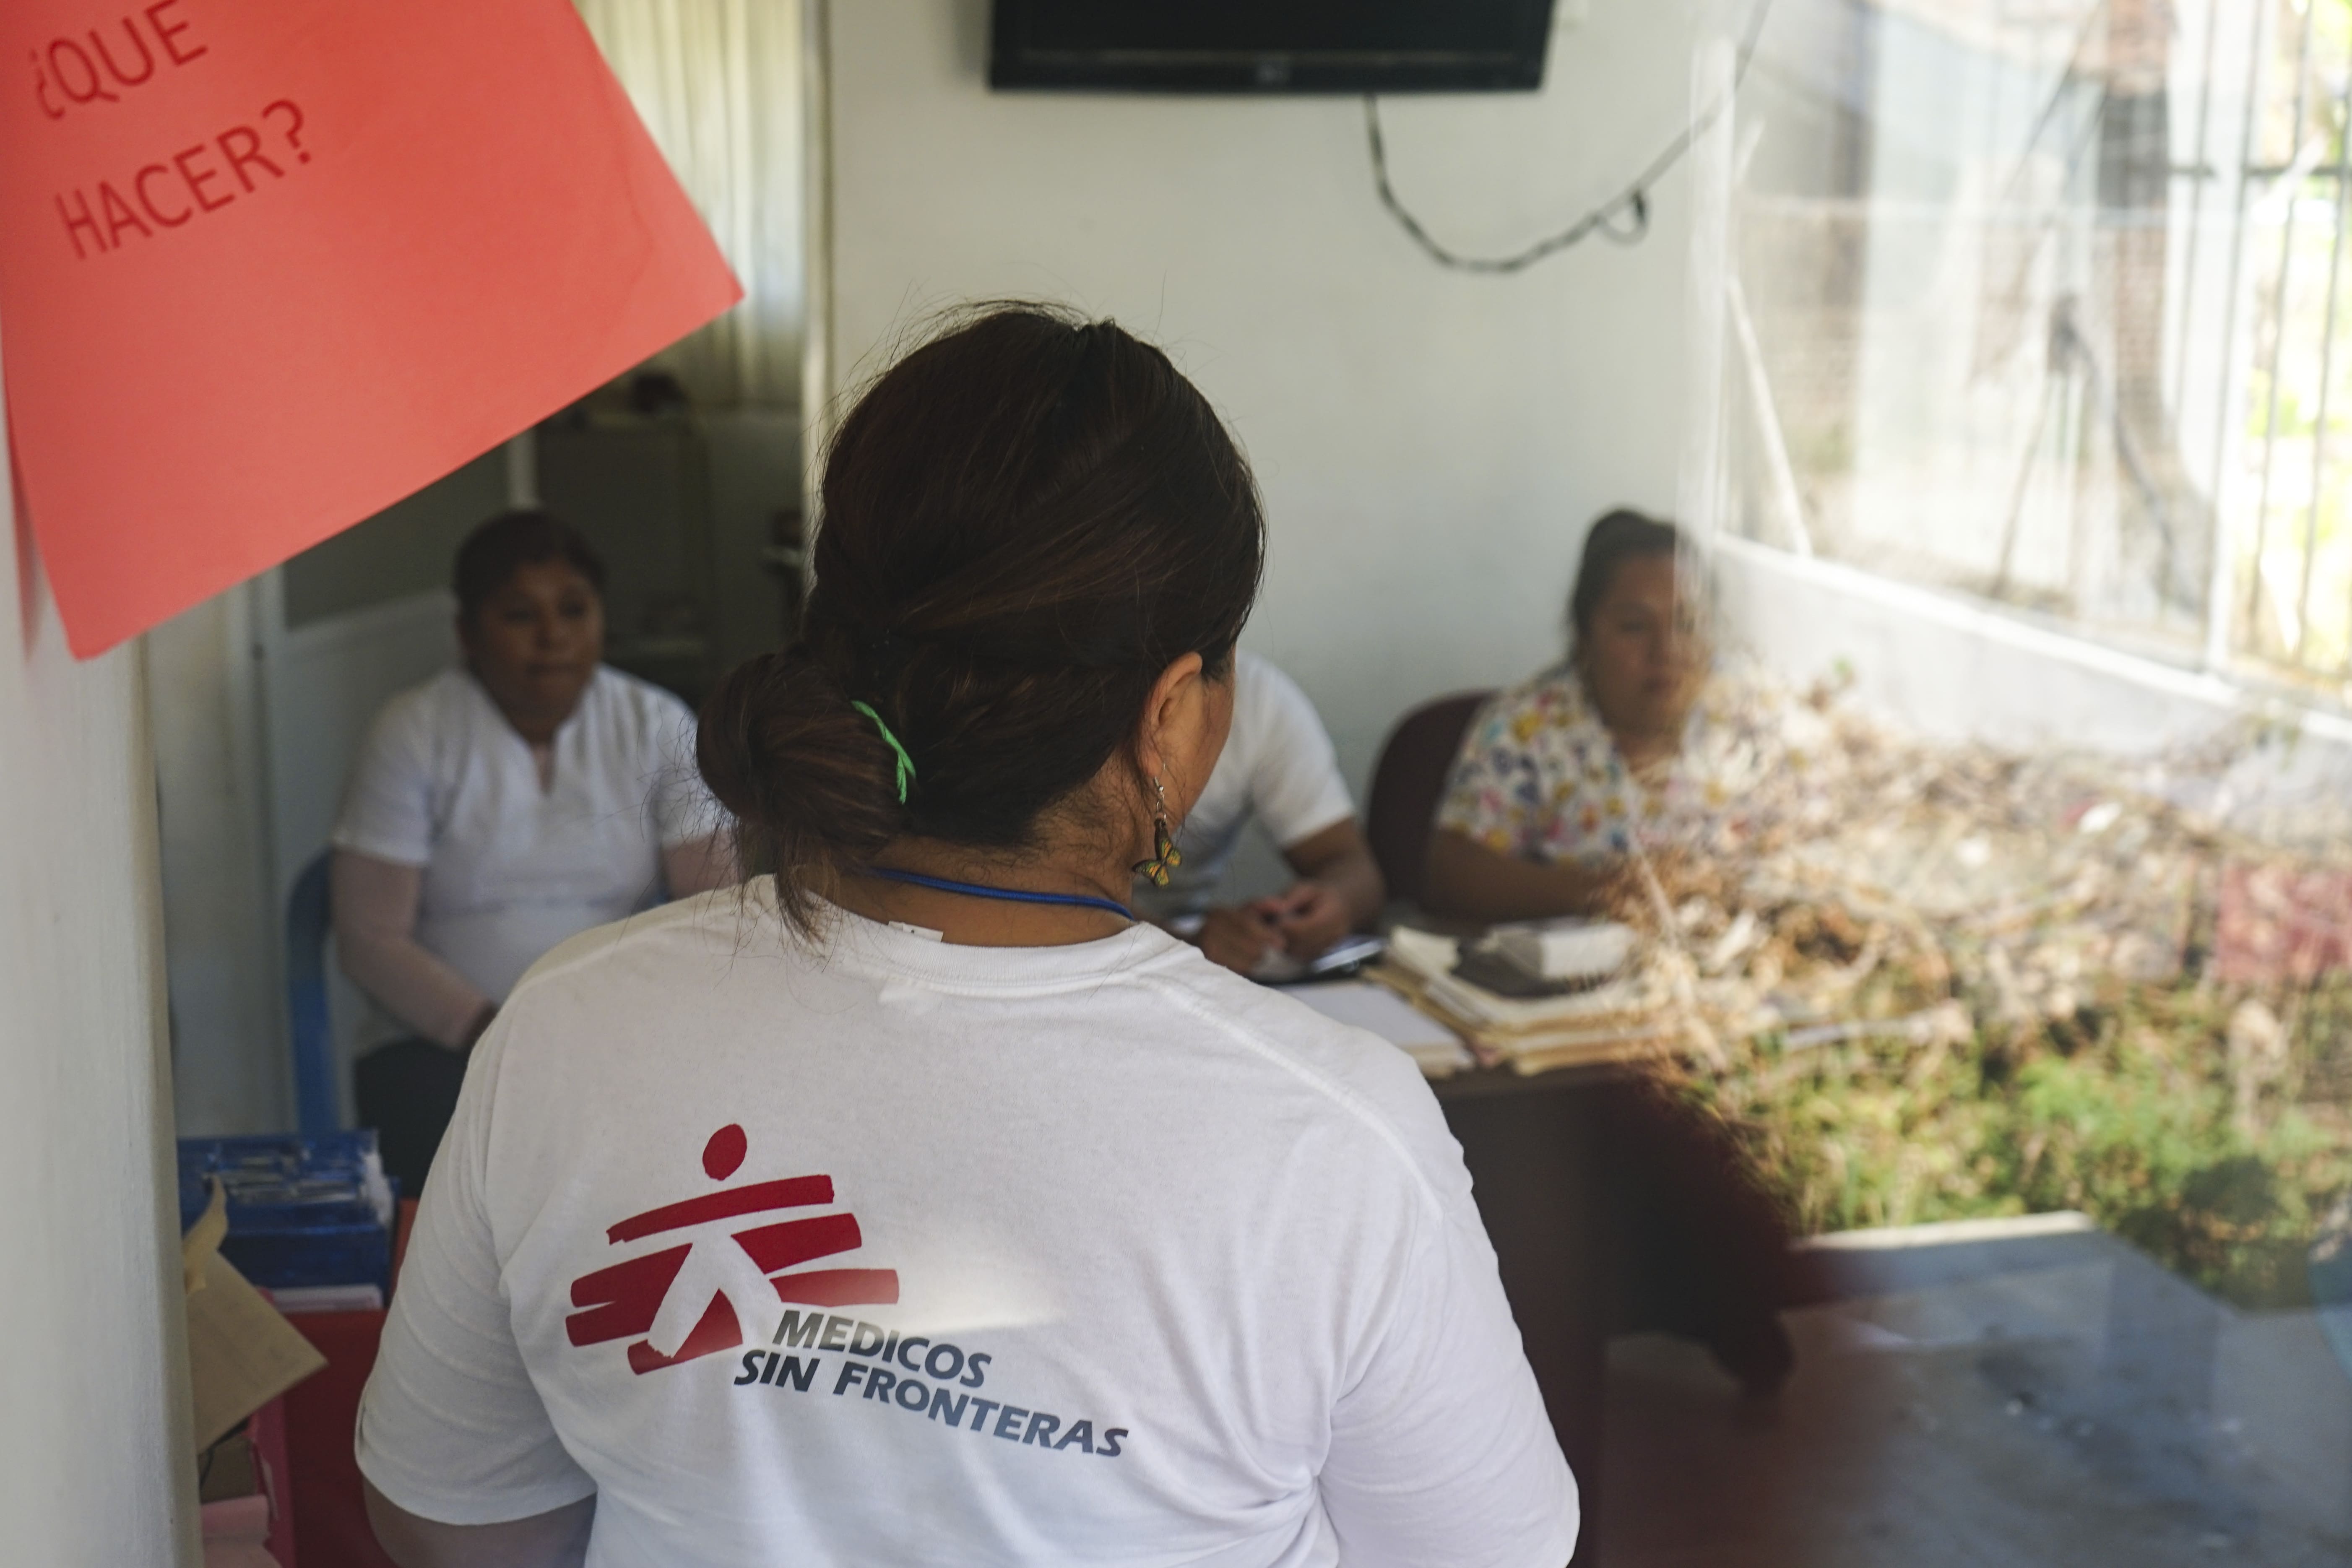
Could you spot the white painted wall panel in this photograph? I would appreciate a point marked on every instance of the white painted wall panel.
(94, 1461)
(1432, 444)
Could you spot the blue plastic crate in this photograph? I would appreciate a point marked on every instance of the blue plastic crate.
(301, 1211)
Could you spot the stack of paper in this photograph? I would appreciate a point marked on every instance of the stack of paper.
(1621, 1020)
(1564, 950)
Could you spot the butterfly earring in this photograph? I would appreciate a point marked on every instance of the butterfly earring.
(1165, 855)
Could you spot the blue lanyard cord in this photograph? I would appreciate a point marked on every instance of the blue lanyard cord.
(1009, 895)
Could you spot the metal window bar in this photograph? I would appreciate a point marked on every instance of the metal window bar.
(2200, 174)
(2278, 342)
(2326, 370)
(2300, 650)
(2219, 638)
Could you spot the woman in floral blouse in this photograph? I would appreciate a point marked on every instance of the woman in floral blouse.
(1626, 745)
(1630, 745)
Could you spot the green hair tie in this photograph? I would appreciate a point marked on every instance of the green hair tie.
(906, 762)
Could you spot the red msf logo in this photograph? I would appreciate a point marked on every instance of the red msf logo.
(662, 1295)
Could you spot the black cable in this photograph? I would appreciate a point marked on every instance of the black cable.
(1634, 201)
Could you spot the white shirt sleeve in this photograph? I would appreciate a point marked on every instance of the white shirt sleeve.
(683, 809)
(1443, 1451)
(1295, 784)
(451, 1427)
(387, 810)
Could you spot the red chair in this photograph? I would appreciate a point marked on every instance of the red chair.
(329, 1513)
(321, 1415)
(1408, 783)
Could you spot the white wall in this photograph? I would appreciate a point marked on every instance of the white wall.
(227, 1015)
(1430, 444)
(94, 1422)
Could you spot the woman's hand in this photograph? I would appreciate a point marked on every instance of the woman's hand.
(1466, 881)
(1238, 939)
(374, 905)
(1308, 919)
(1340, 890)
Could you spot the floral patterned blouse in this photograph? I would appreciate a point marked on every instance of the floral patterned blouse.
(1539, 777)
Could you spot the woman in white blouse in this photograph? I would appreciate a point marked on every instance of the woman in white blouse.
(498, 809)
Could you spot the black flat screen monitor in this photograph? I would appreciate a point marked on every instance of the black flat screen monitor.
(1271, 46)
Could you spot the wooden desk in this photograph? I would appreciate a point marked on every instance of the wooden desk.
(1533, 1149)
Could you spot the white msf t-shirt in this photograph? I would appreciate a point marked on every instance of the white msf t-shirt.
(900, 1252)
(1277, 765)
(444, 783)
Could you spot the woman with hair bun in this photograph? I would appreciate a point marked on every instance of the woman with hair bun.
(920, 1204)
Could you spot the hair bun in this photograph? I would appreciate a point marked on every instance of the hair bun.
(806, 775)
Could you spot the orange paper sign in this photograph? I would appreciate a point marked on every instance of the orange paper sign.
(268, 266)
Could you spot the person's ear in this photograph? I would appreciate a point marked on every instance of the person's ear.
(1176, 724)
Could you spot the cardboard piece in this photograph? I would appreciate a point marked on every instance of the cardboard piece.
(242, 1352)
(203, 1238)
(266, 269)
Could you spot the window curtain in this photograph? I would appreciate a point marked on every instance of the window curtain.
(719, 84)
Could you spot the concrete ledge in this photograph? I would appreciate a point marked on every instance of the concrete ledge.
(1860, 1265)
(1947, 1232)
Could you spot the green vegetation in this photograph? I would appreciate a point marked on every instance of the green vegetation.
(2217, 1148)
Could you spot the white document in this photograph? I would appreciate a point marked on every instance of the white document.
(1369, 1005)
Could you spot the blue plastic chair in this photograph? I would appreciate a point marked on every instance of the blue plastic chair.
(308, 916)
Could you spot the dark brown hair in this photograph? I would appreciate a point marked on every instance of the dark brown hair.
(1025, 520)
(510, 541)
(1615, 538)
